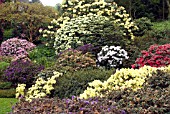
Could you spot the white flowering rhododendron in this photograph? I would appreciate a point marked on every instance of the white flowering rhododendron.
(111, 56)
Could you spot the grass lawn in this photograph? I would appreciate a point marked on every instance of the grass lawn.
(6, 104)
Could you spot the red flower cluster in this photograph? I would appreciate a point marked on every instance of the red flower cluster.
(156, 56)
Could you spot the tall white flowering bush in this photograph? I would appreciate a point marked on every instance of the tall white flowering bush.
(76, 8)
(87, 29)
(111, 56)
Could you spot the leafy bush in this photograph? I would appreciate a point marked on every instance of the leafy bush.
(27, 18)
(21, 71)
(124, 78)
(7, 93)
(156, 56)
(111, 56)
(74, 83)
(72, 60)
(16, 48)
(65, 106)
(43, 55)
(144, 24)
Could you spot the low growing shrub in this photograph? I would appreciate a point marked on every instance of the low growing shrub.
(21, 71)
(155, 56)
(7, 93)
(5, 85)
(67, 106)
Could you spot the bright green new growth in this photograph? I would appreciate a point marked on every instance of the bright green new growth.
(123, 78)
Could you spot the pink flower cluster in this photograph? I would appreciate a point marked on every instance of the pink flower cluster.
(156, 56)
(16, 48)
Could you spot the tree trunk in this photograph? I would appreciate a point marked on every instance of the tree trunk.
(168, 3)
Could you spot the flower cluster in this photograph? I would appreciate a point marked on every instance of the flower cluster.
(16, 48)
(41, 88)
(156, 56)
(123, 78)
(20, 90)
(111, 56)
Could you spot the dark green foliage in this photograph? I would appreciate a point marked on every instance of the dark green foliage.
(133, 53)
(5, 85)
(43, 55)
(75, 83)
(3, 66)
(8, 34)
(144, 24)
(7, 93)
(159, 80)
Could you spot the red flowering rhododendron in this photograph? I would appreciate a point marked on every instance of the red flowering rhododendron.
(156, 56)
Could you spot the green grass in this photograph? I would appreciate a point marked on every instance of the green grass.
(6, 104)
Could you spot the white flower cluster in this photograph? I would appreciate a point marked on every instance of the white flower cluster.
(112, 56)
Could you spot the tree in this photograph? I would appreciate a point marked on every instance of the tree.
(168, 4)
(27, 18)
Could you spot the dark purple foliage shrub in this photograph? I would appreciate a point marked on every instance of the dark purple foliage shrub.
(67, 106)
(86, 48)
(16, 48)
(22, 71)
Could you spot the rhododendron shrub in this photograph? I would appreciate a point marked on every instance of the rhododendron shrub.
(155, 56)
(16, 48)
(22, 71)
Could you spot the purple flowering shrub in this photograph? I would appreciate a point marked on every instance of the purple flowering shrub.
(16, 48)
(67, 106)
(22, 71)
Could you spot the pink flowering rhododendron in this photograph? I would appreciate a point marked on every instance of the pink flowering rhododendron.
(16, 48)
(156, 56)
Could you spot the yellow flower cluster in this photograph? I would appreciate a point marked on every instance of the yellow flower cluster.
(41, 88)
(123, 78)
(20, 90)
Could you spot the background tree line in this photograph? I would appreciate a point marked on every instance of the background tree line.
(153, 9)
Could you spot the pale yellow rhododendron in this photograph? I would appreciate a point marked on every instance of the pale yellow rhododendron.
(123, 78)
(41, 88)
(76, 8)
